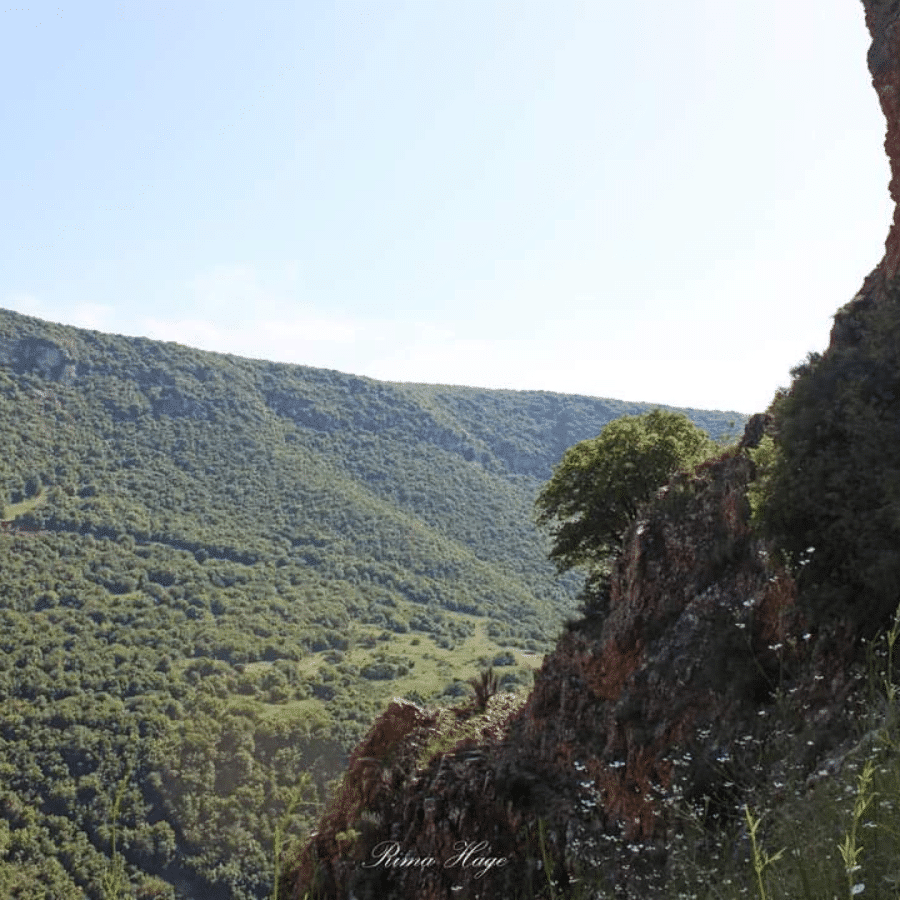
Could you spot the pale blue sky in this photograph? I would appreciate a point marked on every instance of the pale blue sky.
(662, 202)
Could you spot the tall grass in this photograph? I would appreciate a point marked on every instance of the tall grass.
(282, 825)
(762, 861)
(838, 830)
(826, 835)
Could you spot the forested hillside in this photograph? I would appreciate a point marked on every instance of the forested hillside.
(213, 574)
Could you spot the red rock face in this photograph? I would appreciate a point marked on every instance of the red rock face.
(883, 22)
(378, 766)
(684, 649)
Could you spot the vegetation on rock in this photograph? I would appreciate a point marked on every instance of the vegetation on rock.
(830, 490)
(484, 687)
(599, 484)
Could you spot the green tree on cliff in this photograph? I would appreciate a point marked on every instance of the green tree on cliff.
(599, 484)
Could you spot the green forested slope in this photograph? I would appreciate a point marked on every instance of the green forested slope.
(214, 571)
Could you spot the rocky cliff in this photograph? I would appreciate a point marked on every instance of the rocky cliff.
(700, 681)
(883, 23)
(669, 696)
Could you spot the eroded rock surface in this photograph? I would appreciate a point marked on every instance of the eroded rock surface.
(883, 22)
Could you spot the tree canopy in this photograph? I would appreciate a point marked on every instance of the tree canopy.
(597, 487)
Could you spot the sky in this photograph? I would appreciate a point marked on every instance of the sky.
(657, 202)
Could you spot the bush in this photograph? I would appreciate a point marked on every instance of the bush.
(484, 687)
(829, 490)
(379, 671)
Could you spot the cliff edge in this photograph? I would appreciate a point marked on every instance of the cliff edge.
(883, 23)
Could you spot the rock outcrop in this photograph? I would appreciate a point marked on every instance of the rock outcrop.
(883, 23)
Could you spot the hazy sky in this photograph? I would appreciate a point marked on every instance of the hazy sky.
(663, 202)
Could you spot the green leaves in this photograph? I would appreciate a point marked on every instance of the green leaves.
(762, 861)
(596, 489)
(829, 495)
(850, 848)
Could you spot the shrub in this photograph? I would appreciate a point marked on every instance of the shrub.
(484, 687)
(829, 494)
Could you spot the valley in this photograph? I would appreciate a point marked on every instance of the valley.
(215, 574)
